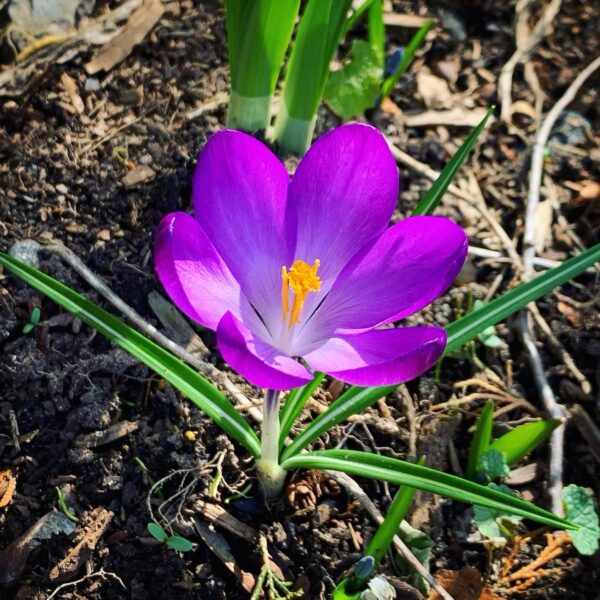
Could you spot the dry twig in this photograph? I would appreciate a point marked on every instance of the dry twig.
(524, 325)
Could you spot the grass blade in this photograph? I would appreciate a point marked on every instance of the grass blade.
(468, 327)
(190, 383)
(400, 472)
(482, 437)
(407, 56)
(318, 36)
(294, 405)
(349, 403)
(354, 16)
(434, 196)
(258, 35)
(377, 28)
(521, 440)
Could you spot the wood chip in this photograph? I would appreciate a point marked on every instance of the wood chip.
(91, 528)
(466, 584)
(219, 546)
(176, 327)
(455, 117)
(219, 516)
(13, 559)
(137, 176)
(107, 436)
(72, 91)
(138, 26)
(409, 21)
(8, 484)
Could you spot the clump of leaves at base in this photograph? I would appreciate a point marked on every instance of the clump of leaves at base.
(579, 506)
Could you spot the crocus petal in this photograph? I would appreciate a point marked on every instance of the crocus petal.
(260, 363)
(411, 264)
(380, 357)
(342, 195)
(192, 272)
(239, 191)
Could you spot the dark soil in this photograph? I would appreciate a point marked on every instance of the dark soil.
(60, 180)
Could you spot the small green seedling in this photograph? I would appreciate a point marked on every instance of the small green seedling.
(34, 319)
(62, 503)
(174, 542)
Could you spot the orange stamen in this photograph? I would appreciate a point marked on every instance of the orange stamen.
(301, 278)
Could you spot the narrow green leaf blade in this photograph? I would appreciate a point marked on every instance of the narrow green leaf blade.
(468, 327)
(400, 472)
(521, 440)
(294, 404)
(377, 29)
(481, 438)
(190, 383)
(433, 197)
(407, 56)
(349, 403)
(258, 35)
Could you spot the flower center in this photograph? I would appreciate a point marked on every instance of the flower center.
(301, 279)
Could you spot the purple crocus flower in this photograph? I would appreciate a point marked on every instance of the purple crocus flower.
(304, 270)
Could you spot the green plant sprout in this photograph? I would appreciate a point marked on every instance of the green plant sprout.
(62, 503)
(174, 542)
(34, 319)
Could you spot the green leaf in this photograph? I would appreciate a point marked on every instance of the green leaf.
(353, 89)
(496, 524)
(433, 197)
(318, 36)
(400, 472)
(407, 56)
(179, 544)
(294, 404)
(190, 383)
(377, 31)
(341, 593)
(579, 506)
(468, 327)
(36, 313)
(354, 16)
(521, 440)
(258, 35)
(27, 328)
(481, 438)
(349, 403)
(421, 546)
(492, 465)
(156, 531)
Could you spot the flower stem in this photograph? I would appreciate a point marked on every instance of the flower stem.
(270, 474)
